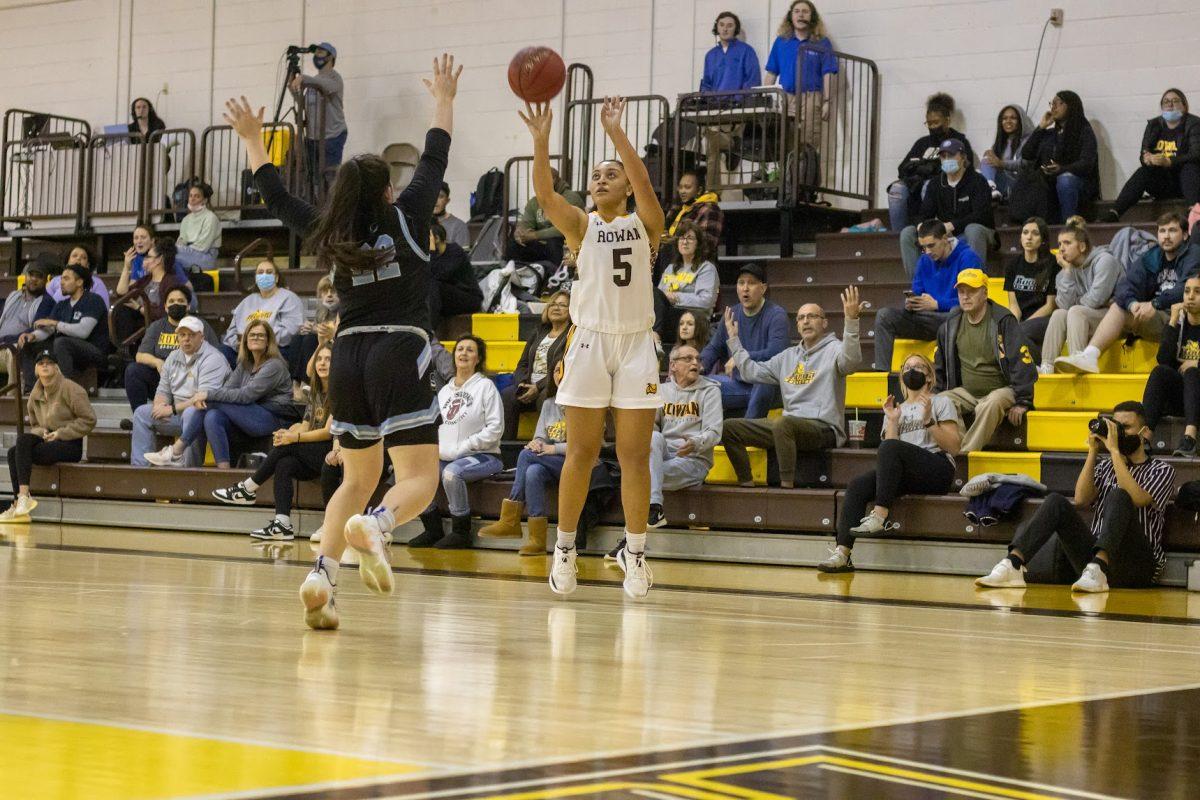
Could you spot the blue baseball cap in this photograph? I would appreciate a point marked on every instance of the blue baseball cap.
(328, 48)
(952, 146)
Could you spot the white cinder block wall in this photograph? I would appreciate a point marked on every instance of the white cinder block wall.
(88, 58)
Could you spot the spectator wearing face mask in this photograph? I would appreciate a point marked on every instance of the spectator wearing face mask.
(160, 340)
(200, 232)
(329, 140)
(922, 162)
(1169, 164)
(278, 306)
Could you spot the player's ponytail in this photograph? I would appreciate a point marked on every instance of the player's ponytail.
(354, 208)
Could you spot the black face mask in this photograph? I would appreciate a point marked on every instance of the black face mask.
(176, 312)
(1129, 443)
(914, 379)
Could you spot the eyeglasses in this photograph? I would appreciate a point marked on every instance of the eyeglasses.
(250, 336)
(689, 238)
(1172, 101)
(561, 305)
(687, 359)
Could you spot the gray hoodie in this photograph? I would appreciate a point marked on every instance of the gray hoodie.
(692, 414)
(813, 381)
(270, 387)
(551, 424)
(284, 311)
(182, 377)
(1090, 285)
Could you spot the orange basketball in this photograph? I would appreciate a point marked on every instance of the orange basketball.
(537, 74)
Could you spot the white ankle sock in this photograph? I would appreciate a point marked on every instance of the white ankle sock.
(249, 485)
(329, 565)
(635, 542)
(387, 520)
(284, 519)
(566, 541)
(1091, 352)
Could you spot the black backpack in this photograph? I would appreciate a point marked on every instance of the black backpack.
(488, 197)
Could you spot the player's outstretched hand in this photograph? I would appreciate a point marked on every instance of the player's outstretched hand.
(241, 117)
(611, 113)
(538, 118)
(444, 84)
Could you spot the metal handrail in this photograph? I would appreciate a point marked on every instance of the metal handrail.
(119, 301)
(81, 128)
(515, 201)
(245, 251)
(580, 74)
(13, 386)
(641, 111)
(171, 168)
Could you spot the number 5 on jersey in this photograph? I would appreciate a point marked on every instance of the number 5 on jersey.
(622, 269)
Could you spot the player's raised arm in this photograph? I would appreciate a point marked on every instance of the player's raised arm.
(569, 219)
(648, 208)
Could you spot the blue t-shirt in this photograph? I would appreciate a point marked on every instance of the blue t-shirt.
(730, 70)
(819, 61)
(89, 305)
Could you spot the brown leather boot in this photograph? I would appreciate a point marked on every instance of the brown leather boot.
(509, 524)
(536, 546)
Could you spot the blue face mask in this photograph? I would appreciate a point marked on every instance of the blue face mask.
(949, 165)
(319, 62)
(265, 281)
(1174, 115)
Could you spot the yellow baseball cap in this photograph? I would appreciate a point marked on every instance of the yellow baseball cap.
(973, 278)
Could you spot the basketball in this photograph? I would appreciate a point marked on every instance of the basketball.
(537, 74)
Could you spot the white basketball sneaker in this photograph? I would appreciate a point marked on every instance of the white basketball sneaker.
(1092, 580)
(1003, 576)
(638, 577)
(317, 593)
(563, 571)
(367, 536)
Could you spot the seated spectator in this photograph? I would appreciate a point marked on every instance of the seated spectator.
(457, 231)
(693, 330)
(1174, 384)
(982, 362)
(922, 162)
(1083, 289)
(535, 238)
(690, 282)
(1143, 298)
(297, 453)
(1001, 162)
(454, 289)
(274, 304)
(199, 239)
(79, 256)
(1061, 174)
(921, 436)
(254, 400)
(157, 281)
(529, 379)
(812, 376)
(731, 64)
(958, 197)
(161, 339)
(144, 120)
(763, 328)
(59, 416)
(802, 30)
(1123, 545)
(1169, 165)
(468, 444)
(76, 330)
(698, 206)
(932, 298)
(194, 369)
(22, 308)
(1030, 278)
(314, 332)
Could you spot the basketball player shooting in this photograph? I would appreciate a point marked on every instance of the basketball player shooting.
(610, 361)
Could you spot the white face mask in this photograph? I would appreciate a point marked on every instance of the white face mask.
(194, 207)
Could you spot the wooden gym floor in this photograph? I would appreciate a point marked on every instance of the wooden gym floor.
(153, 664)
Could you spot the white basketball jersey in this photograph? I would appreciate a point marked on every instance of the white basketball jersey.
(615, 291)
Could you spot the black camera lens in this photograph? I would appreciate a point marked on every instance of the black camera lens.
(1099, 426)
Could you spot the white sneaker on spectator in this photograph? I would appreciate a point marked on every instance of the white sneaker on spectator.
(1076, 364)
(366, 535)
(838, 561)
(1093, 580)
(638, 576)
(1045, 369)
(317, 594)
(563, 571)
(871, 524)
(315, 538)
(165, 457)
(1003, 576)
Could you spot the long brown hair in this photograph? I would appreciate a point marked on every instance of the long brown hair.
(354, 209)
(318, 398)
(245, 357)
(816, 26)
(704, 249)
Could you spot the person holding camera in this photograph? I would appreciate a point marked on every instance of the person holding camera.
(325, 130)
(1123, 545)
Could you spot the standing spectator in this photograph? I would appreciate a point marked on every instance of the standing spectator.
(982, 362)
(279, 307)
(763, 332)
(1144, 296)
(933, 296)
(22, 308)
(1123, 546)
(454, 290)
(60, 416)
(468, 443)
(323, 101)
(731, 64)
(1030, 278)
(161, 339)
(297, 453)
(529, 379)
(76, 330)
(1065, 174)
(693, 330)
(960, 198)
(457, 231)
(696, 205)
(143, 120)
(1169, 164)
(1001, 162)
(200, 232)
(79, 256)
(1174, 384)
(254, 400)
(157, 281)
(535, 238)
(922, 162)
(921, 437)
(193, 368)
(802, 30)
(689, 283)
(314, 332)
(812, 376)
(1084, 287)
